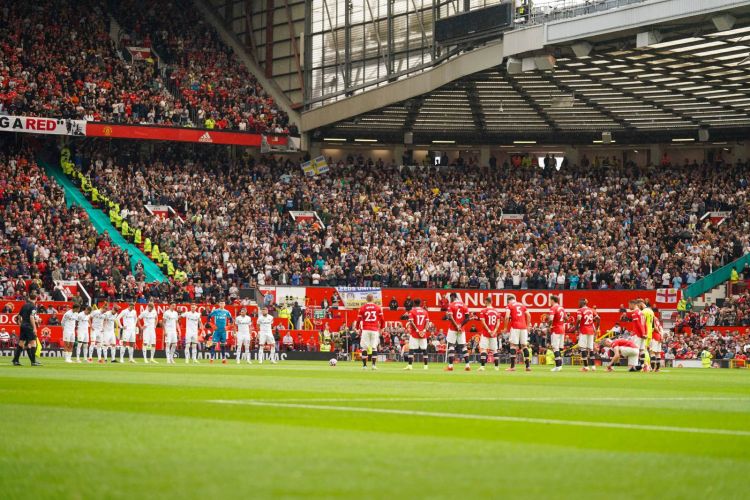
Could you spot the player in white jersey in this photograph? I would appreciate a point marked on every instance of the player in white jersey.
(69, 320)
(148, 319)
(109, 317)
(243, 322)
(192, 326)
(82, 333)
(265, 335)
(128, 321)
(170, 321)
(96, 333)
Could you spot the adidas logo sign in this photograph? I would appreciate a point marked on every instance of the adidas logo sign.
(205, 138)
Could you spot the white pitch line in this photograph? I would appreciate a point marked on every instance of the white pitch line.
(510, 399)
(493, 418)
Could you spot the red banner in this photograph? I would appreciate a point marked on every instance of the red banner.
(157, 133)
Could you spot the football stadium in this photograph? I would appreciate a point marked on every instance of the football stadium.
(375, 249)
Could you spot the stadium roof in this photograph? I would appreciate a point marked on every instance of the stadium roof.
(680, 77)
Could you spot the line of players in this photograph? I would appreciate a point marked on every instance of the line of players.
(516, 321)
(93, 331)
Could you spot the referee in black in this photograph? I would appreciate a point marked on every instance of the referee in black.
(27, 339)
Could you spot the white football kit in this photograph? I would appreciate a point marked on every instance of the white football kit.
(149, 326)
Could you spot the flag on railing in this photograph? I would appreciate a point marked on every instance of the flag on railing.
(667, 295)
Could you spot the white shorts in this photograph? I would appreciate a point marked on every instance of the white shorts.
(96, 335)
(107, 338)
(455, 337)
(631, 353)
(519, 337)
(170, 337)
(369, 339)
(558, 341)
(149, 336)
(69, 336)
(243, 338)
(82, 336)
(655, 346)
(639, 341)
(191, 338)
(417, 343)
(128, 336)
(266, 338)
(488, 343)
(586, 341)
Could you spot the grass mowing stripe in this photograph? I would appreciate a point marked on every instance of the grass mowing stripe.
(495, 418)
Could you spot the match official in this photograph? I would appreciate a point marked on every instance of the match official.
(27, 338)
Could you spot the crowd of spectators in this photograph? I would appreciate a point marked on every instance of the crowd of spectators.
(210, 81)
(43, 241)
(381, 224)
(58, 60)
(721, 345)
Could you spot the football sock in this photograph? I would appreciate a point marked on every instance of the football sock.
(364, 358)
(483, 358)
(130, 352)
(31, 352)
(273, 352)
(497, 358)
(410, 358)
(153, 351)
(145, 353)
(239, 351)
(466, 355)
(373, 357)
(558, 359)
(425, 359)
(17, 353)
(512, 358)
(451, 356)
(526, 357)
(585, 358)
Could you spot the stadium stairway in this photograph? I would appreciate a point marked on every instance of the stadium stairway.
(102, 224)
(712, 289)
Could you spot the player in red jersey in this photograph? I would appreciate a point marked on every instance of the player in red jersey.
(635, 316)
(657, 338)
(623, 348)
(370, 321)
(417, 324)
(517, 320)
(490, 342)
(587, 322)
(458, 316)
(557, 320)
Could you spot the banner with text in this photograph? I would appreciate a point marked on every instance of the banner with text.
(37, 125)
(355, 297)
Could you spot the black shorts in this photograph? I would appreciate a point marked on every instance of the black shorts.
(27, 334)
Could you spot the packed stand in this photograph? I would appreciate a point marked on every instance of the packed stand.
(720, 346)
(384, 225)
(42, 240)
(58, 60)
(211, 83)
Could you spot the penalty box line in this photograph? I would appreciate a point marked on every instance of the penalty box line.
(491, 418)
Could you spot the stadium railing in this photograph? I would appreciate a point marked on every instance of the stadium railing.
(716, 278)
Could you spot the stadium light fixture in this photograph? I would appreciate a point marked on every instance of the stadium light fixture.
(724, 22)
(683, 139)
(599, 141)
(334, 139)
(524, 142)
(365, 140)
(443, 142)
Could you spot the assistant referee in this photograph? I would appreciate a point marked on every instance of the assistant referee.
(27, 339)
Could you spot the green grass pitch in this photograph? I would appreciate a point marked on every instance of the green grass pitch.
(304, 429)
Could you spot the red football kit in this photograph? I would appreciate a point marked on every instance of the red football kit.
(586, 317)
(420, 318)
(624, 343)
(491, 317)
(557, 313)
(656, 334)
(458, 312)
(370, 317)
(518, 316)
(639, 328)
